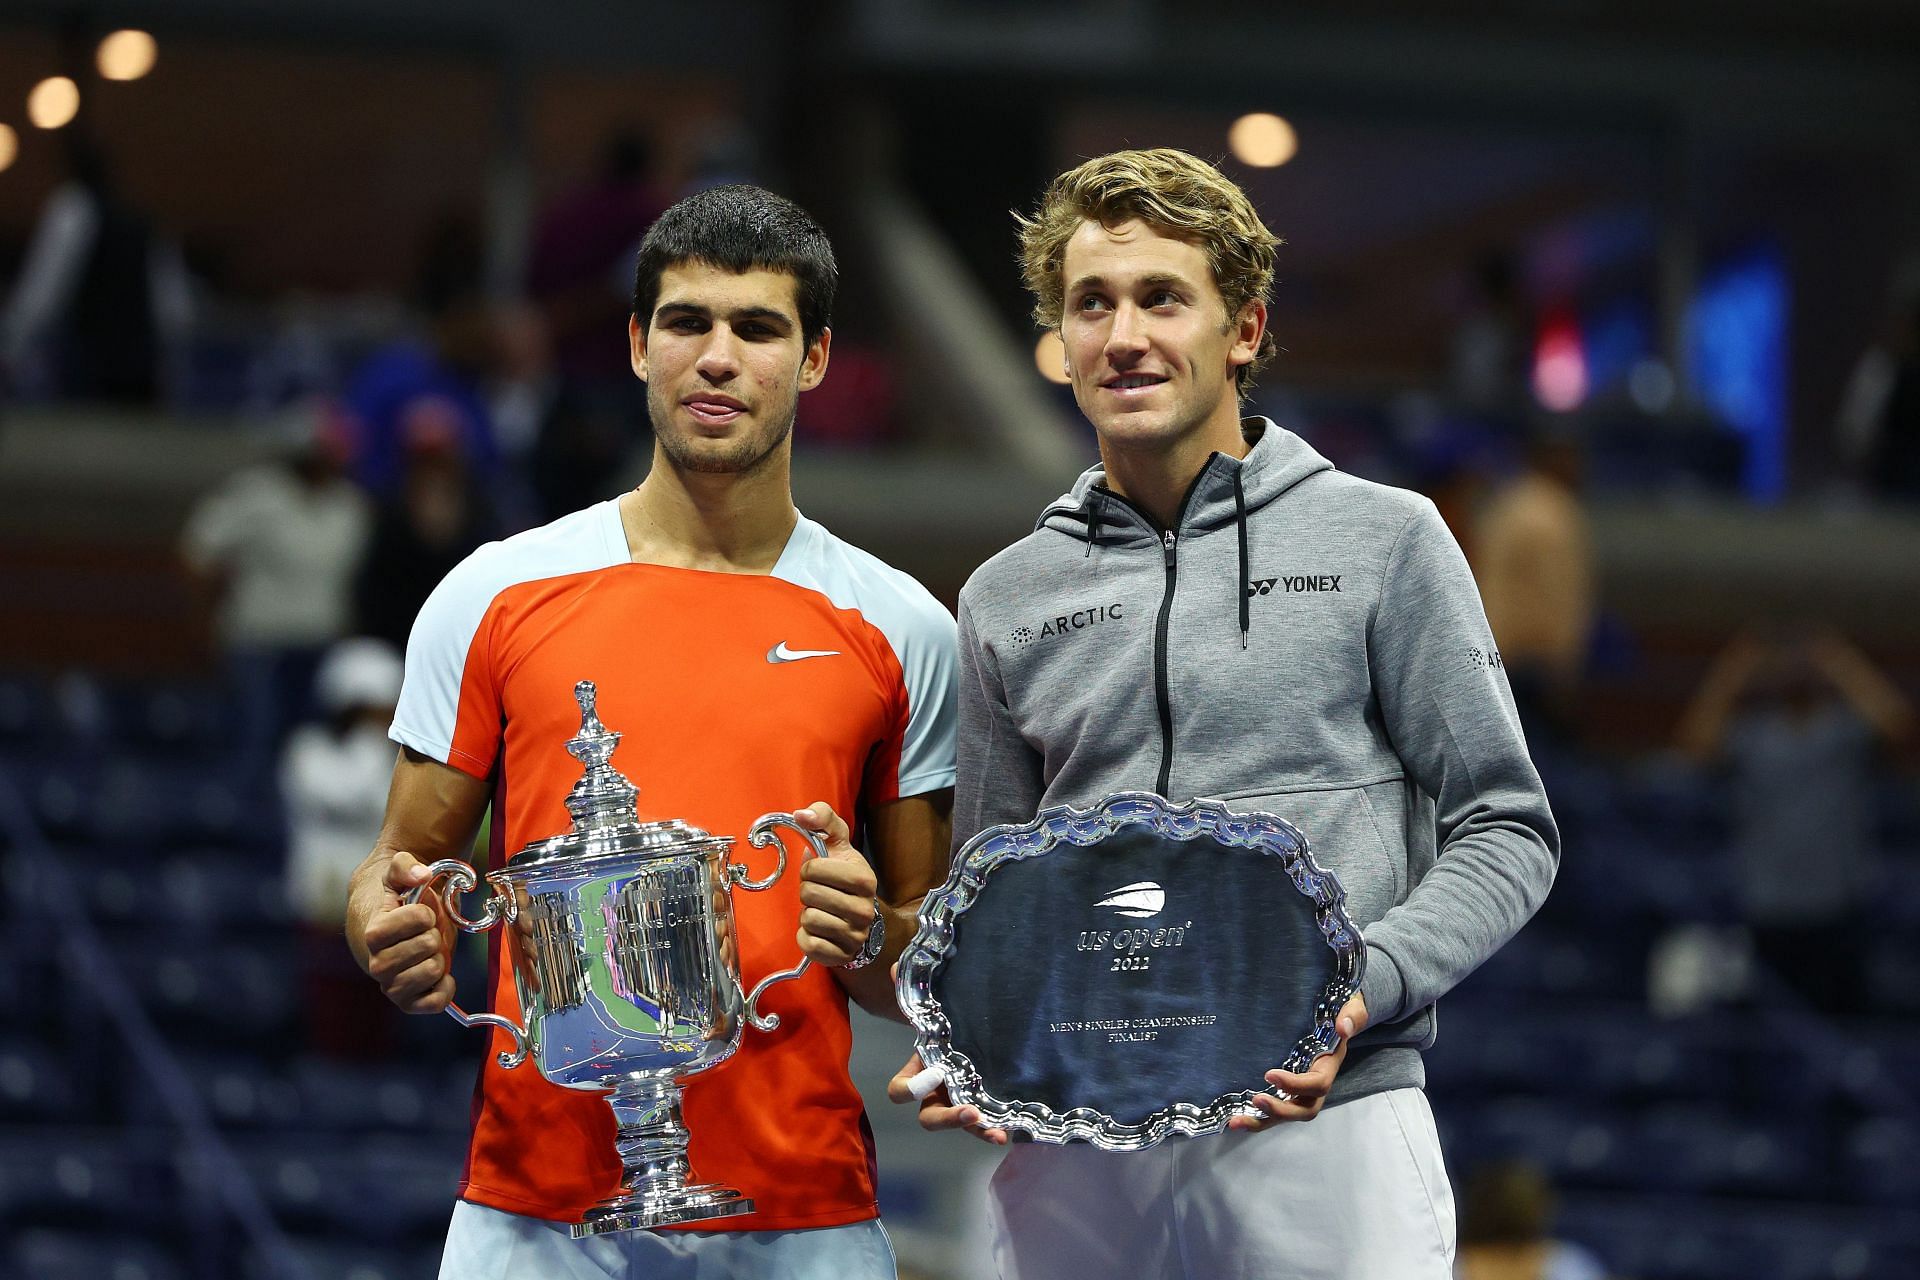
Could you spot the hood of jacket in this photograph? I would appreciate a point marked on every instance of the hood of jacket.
(1224, 492)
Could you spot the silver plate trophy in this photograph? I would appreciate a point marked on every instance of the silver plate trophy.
(1127, 972)
(621, 938)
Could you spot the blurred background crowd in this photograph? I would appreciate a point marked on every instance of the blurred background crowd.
(300, 302)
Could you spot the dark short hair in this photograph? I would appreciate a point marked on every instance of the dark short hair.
(741, 228)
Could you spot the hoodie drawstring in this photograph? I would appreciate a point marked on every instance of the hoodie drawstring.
(1240, 517)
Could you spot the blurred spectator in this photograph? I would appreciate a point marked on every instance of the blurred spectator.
(1533, 558)
(99, 292)
(1506, 1229)
(445, 378)
(275, 548)
(1879, 423)
(584, 453)
(334, 775)
(568, 447)
(524, 383)
(580, 262)
(333, 781)
(1795, 720)
(1492, 345)
(859, 410)
(421, 533)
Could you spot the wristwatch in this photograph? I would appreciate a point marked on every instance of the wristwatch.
(876, 938)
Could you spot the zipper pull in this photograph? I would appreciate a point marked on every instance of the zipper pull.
(1167, 539)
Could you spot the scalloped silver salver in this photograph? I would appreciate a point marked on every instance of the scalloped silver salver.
(1261, 834)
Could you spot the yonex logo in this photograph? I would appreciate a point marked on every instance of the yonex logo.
(1295, 582)
(780, 653)
(1141, 900)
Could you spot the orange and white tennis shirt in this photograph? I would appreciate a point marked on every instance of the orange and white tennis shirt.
(831, 679)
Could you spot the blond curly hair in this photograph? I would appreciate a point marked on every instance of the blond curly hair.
(1174, 192)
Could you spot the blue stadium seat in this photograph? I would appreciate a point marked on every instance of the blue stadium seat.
(330, 1258)
(383, 1191)
(365, 1098)
(94, 1254)
(60, 1176)
(414, 1183)
(1575, 1146)
(36, 1084)
(236, 1090)
(227, 992)
(29, 720)
(1511, 1054)
(1682, 1238)
(1641, 1061)
(1878, 1164)
(171, 721)
(1708, 1150)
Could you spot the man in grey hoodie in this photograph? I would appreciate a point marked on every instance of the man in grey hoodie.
(1215, 611)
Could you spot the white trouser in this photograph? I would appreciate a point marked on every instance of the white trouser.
(490, 1244)
(1357, 1193)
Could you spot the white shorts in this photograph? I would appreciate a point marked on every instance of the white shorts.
(491, 1244)
(1357, 1193)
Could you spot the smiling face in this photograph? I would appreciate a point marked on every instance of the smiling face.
(1150, 348)
(725, 362)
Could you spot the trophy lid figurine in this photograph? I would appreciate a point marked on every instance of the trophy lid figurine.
(621, 940)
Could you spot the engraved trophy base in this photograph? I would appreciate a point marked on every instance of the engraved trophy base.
(644, 1211)
(652, 1142)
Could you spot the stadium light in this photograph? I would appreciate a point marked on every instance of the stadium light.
(1262, 140)
(126, 55)
(53, 103)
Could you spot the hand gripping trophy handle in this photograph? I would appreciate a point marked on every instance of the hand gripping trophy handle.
(462, 878)
(760, 836)
(499, 907)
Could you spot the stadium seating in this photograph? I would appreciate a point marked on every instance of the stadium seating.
(1735, 1143)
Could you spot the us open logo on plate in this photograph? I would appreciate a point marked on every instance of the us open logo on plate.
(1141, 900)
(1129, 947)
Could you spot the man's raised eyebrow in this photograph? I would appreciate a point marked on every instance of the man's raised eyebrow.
(1159, 279)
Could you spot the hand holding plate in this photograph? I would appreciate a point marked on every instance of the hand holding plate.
(1303, 1094)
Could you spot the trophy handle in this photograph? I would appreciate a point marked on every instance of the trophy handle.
(461, 878)
(760, 836)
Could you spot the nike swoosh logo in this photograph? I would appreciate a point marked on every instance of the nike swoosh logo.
(780, 653)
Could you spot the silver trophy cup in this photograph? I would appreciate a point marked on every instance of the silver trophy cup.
(621, 938)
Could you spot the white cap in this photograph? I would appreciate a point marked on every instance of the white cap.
(362, 672)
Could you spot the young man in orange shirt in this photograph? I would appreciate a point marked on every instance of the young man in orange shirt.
(753, 661)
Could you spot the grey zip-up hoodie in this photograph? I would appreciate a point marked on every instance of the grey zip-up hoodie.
(1303, 643)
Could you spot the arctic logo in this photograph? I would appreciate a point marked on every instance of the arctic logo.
(780, 653)
(1141, 900)
(1078, 620)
